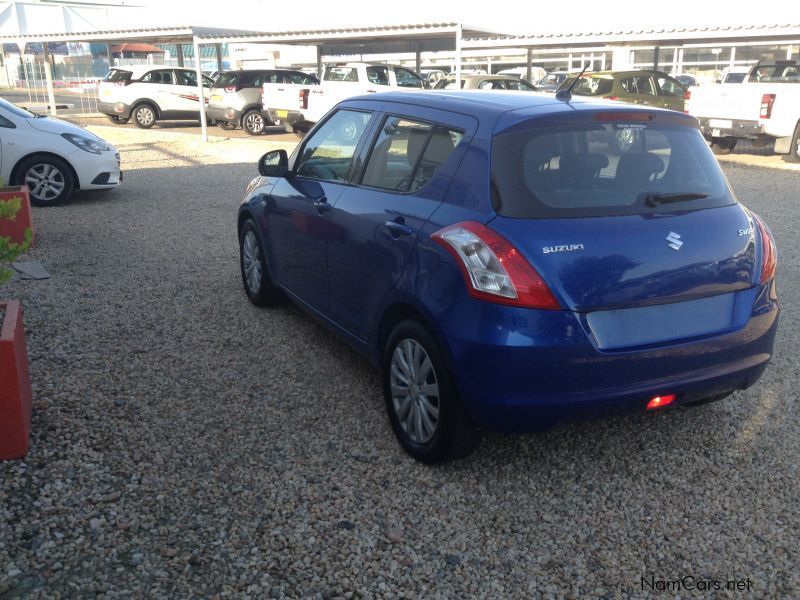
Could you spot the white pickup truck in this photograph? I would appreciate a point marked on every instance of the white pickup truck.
(298, 106)
(763, 108)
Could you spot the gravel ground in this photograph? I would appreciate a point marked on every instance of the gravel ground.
(187, 443)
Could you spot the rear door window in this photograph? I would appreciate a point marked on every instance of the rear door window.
(328, 154)
(407, 79)
(593, 86)
(669, 87)
(162, 76)
(605, 168)
(341, 74)
(408, 154)
(378, 75)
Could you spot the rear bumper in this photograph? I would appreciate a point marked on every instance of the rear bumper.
(293, 118)
(530, 370)
(720, 128)
(223, 113)
(117, 109)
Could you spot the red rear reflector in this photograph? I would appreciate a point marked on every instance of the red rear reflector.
(612, 97)
(661, 401)
(687, 95)
(767, 100)
(231, 89)
(606, 117)
(769, 253)
(303, 99)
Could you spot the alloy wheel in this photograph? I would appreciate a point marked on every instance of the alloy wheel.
(254, 123)
(145, 116)
(251, 262)
(45, 182)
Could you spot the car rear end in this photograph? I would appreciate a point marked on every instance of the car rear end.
(111, 93)
(605, 282)
(232, 93)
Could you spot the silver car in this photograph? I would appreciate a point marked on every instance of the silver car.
(235, 99)
(485, 82)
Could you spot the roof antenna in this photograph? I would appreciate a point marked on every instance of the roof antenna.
(566, 95)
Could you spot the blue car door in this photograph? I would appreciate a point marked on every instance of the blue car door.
(408, 166)
(299, 226)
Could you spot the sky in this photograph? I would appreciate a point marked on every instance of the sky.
(497, 15)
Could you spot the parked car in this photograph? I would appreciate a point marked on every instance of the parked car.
(299, 106)
(235, 99)
(686, 81)
(431, 76)
(486, 82)
(53, 157)
(150, 93)
(537, 73)
(733, 74)
(552, 81)
(651, 88)
(764, 108)
(508, 274)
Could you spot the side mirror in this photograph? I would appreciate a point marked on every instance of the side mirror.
(274, 164)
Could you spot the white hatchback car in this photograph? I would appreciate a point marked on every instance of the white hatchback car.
(53, 157)
(148, 93)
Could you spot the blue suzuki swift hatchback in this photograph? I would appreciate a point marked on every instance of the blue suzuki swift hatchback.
(512, 260)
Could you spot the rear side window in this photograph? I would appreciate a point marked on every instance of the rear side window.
(604, 168)
(519, 85)
(670, 87)
(163, 77)
(341, 74)
(638, 85)
(408, 154)
(302, 78)
(406, 78)
(378, 75)
(118, 75)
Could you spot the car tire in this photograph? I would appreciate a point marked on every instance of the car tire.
(117, 120)
(429, 421)
(253, 123)
(226, 125)
(144, 115)
(48, 178)
(794, 150)
(723, 146)
(255, 274)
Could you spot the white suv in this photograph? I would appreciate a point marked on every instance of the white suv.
(148, 93)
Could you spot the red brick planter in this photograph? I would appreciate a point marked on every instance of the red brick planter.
(15, 383)
(15, 229)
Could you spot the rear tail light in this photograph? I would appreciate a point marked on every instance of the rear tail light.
(493, 269)
(303, 99)
(626, 117)
(687, 95)
(660, 401)
(769, 253)
(767, 100)
(612, 97)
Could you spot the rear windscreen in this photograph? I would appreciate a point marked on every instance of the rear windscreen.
(593, 86)
(118, 75)
(341, 74)
(240, 79)
(604, 168)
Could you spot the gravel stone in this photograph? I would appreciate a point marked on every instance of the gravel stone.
(252, 455)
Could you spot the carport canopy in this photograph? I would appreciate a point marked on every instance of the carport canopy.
(416, 38)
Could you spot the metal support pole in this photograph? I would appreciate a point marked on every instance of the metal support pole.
(529, 66)
(319, 63)
(200, 91)
(48, 75)
(459, 31)
(418, 61)
(218, 52)
(180, 54)
(655, 58)
(110, 56)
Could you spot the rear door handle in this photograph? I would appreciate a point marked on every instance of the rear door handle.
(322, 205)
(397, 229)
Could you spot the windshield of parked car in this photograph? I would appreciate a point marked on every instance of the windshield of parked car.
(15, 110)
(552, 79)
(591, 86)
(118, 75)
(599, 168)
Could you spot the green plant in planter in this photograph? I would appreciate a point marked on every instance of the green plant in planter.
(9, 251)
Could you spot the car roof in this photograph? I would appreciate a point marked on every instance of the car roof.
(139, 70)
(515, 106)
(471, 77)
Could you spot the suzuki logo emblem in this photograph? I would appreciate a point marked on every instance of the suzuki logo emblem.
(674, 241)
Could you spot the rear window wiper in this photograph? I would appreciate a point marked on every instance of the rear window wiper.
(656, 199)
